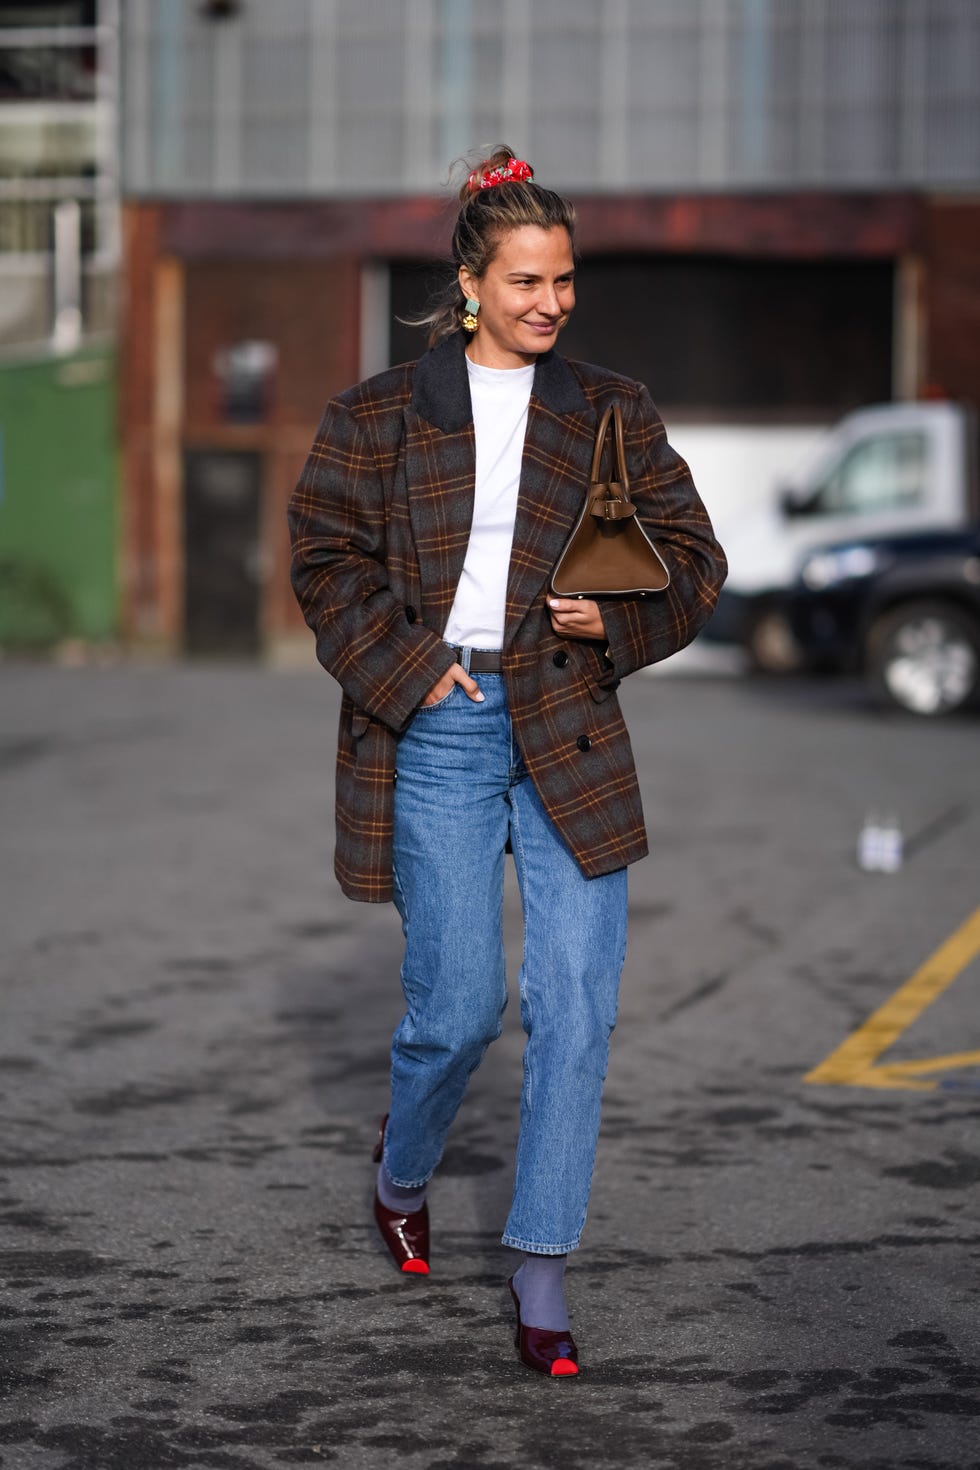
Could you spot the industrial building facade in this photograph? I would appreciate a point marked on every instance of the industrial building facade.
(779, 206)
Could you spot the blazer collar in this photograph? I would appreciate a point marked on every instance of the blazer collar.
(441, 389)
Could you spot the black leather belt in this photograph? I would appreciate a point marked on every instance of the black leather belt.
(482, 661)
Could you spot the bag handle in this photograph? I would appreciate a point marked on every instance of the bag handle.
(609, 500)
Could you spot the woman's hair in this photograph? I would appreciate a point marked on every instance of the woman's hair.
(486, 214)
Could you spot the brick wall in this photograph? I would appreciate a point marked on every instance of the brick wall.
(180, 313)
(309, 310)
(951, 298)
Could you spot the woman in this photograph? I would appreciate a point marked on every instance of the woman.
(480, 714)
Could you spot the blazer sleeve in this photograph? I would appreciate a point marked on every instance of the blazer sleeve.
(644, 630)
(338, 532)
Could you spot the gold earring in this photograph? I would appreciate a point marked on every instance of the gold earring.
(470, 315)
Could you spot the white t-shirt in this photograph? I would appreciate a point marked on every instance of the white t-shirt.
(500, 398)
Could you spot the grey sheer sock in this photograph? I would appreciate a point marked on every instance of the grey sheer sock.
(538, 1284)
(393, 1197)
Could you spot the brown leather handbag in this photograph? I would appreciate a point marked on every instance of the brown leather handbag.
(608, 553)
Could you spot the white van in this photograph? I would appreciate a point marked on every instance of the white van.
(777, 494)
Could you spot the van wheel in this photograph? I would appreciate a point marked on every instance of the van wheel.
(925, 657)
(770, 644)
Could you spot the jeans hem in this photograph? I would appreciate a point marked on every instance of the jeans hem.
(407, 1184)
(536, 1248)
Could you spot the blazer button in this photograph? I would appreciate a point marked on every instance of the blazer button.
(560, 659)
(410, 614)
(584, 743)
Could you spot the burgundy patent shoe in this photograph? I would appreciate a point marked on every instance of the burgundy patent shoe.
(548, 1352)
(406, 1236)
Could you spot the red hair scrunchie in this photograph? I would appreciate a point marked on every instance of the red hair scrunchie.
(515, 170)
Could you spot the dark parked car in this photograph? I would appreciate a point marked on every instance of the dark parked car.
(904, 610)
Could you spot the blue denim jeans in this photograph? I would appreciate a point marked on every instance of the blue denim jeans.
(462, 789)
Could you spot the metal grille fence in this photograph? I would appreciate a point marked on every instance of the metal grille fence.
(309, 98)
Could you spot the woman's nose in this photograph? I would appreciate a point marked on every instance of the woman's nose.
(548, 303)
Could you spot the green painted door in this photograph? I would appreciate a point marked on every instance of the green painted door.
(58, 500)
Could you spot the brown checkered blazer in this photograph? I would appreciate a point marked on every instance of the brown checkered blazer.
(380, 522)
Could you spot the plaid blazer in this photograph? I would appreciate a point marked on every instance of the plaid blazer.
(380, 522)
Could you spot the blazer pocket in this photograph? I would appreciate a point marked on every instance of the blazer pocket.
(590, 668)
(359, 723)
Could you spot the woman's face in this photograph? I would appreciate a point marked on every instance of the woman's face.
(526, 295)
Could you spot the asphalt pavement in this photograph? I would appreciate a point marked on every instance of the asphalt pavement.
(776, 1273)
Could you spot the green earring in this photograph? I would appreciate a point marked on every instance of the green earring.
(470, 322)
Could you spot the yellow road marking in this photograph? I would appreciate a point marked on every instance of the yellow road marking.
(854, 1062)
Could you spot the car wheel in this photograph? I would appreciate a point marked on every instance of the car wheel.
(925, 657)
(771, 646)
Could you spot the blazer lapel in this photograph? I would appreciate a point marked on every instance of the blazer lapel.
(440, 468)
(554, 472)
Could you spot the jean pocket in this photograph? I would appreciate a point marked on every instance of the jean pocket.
(426, 709)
